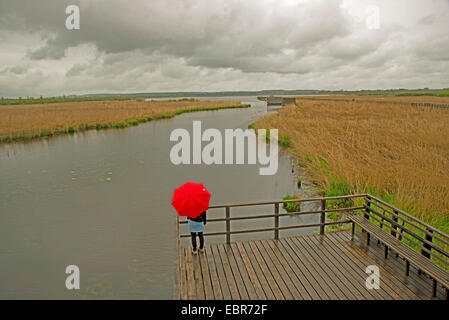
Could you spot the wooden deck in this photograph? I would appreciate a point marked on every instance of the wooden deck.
(312, 267)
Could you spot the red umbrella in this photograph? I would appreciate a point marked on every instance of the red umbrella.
(191, 199)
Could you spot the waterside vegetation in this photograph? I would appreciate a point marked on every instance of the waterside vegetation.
(23, 122)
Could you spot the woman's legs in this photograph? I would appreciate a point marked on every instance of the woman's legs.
(193, 234)
(200, 235)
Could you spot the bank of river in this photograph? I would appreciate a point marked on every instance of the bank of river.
(101, 200)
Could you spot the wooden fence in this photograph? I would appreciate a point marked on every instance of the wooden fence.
(430, 241)
(413, 104)
(275, 215)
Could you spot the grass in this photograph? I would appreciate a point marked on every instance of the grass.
(45, 120)
(430, 93)
(393, 151)
(284, 141)
(291, 206)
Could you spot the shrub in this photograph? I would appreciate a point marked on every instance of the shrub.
(252, 126)
(291, 206)
(284, 141)
(339, 188)
(133, 122)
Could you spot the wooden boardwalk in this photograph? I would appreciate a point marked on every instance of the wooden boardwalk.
(312, 267)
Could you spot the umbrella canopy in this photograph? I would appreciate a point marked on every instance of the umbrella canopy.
(191, 199)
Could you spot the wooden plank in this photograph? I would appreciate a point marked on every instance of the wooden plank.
(251, 272)
(207, 282)
(419, 284)
(249, 286)
(183, 274)
(320, 270)
(191, 290)
(387, 278)
(330, 269)
(392, 281)
(177, 262)
(316, 289)
(358, 267)
(405, 251)
(313, 268)
(303, 286)
(266, 271)
(278, 276)
(215, 282)
(236, 272)
(260, 275)
(345, 267)
(228, 273)
(392, 285)
(284, 270)
(363, 261)
(199, 284)
(305, 267)
(220, 272)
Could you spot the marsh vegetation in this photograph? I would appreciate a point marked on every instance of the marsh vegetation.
(47, 119)
(392, 150)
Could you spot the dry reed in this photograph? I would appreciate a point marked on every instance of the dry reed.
(21, 119)
(396, 151)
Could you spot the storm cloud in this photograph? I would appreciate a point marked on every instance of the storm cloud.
(206, 45)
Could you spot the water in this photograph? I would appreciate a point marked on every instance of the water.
(57, 207)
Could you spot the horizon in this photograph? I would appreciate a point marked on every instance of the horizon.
(168, 94)
(216, 46)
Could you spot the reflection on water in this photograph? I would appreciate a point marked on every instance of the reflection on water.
(101, 200)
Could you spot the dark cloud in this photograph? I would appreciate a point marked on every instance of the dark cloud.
(174, 45)
(47, 51)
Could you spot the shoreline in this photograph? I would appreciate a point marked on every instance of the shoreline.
(71, 129)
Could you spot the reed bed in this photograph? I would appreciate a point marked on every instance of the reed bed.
(397, 152)
(38, 120)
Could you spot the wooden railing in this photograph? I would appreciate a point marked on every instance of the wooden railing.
(428, 240)
(355, 99)
(275, 215)
(431, 242)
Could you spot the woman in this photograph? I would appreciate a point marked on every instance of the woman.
(196, 226)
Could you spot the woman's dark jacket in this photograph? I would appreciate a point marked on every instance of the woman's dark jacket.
(200, 218)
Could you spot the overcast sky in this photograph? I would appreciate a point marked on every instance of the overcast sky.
(207, 45)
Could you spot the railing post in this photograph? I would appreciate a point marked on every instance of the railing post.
(394, 230)
(401, 231)
(322, 215)
(276, 221)
(367, 206)
(228, 225)
(427, 246)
